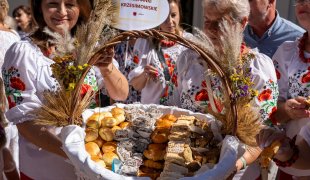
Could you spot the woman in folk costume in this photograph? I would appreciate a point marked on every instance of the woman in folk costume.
(156, 61)
(27, 75)
(292, 60)
(201, 90)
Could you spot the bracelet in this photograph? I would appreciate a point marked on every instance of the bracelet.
(242, 159)
(294, 157)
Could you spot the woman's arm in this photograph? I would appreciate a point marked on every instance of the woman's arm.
(10, 170)
(41, 137)
(140, 81)
(250, 155)
(115, 82)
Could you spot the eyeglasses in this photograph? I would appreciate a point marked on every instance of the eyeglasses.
(301, 2)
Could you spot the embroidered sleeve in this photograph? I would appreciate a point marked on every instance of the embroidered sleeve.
(19, 73)
(265, 82)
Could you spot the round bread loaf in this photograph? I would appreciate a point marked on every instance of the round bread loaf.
(91, 134)
(124, 125)
(109, 122)
(119, 117)
(117, 110)
(109, 147)
(92, 149)
(99, 161)
(99, 141)
(106, 134)
(94, 121)
(108, 158)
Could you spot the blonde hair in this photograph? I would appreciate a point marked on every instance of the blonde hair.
(4, 9)
(236, 9)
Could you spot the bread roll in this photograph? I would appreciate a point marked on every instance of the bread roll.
(109, 147)
(91, 134)
(99, 141)
(99, 161)
(120, 118)
(117, 110)
(109, 122)
(115, 128)
(106, 134)
(124, 125)
(92, 148)
(108, 158)
(94, 121)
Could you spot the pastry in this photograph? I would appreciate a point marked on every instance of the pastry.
(163, 123)
(175, 168)
(268, 153)
(109, 157)
(91, 134)
(117, 110)
(148, 172)
(99, 161)
(108, 122)
(119, 117)
(124, 125)
(169, 117)
(115, 128)
(160, 135)
(106, 134)
(94, 121)
(99, 141)
(153, 164)
(174, 158)
(92, 149)
(109, 147)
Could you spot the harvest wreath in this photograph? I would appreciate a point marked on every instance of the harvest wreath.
(74, 59)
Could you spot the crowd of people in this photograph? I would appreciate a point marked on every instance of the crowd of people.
(149, 71)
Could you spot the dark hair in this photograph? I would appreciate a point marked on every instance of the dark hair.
(39, 37)
(27, 10)
(2, 137)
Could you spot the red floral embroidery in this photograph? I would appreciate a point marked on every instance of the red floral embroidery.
(11, 103)
(204, 84)
(17, 83)
(218, 105)
(306, 77)
(202, 95)
(166, 92)
(265, 95)
(272, 116)
(174, 80)
(278, 74)
(136, 59)
(84, 89)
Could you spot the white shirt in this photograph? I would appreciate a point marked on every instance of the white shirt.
(192, 83)
(294, 80)
(27, 74)
(6, 39)
(145, 54)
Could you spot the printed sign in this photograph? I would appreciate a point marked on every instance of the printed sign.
(141, 14)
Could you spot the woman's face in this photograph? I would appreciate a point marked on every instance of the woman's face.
(172, 22)
(22, 19)
(212, 20)
(302, 9)
(60, 14)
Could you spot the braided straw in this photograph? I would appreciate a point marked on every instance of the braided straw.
(160, 35)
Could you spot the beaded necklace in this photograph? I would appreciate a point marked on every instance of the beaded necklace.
(302, 47)
(166, 43)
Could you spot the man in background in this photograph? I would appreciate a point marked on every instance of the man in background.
(266, 30)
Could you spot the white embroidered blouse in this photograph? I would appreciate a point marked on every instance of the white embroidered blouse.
(26, 75)
(294, 80)
(155, 90)
(192, 90)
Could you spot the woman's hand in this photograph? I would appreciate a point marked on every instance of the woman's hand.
(150, 72)
(104, 61)
(267, 136)
(297, 108)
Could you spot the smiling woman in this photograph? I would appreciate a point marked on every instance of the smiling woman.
(29, 61)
